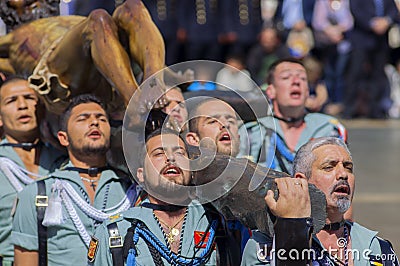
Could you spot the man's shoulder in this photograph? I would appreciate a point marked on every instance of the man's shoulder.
(258, 249)
(321, 117)
(31, 189)
(322, 122)
(362, 230)
(266, 121)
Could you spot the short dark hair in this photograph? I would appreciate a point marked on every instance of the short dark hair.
(271, 70)
(12, 78)
(155, 133)
(194, 117)
(77, 100)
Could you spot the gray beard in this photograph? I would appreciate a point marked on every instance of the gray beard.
(343, 204)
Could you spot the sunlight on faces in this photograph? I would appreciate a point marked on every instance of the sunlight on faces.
(332, 173)
(88, 130)
(218, 126)
(166, 167)
(176, 107)
(18, 107)
(290, 86)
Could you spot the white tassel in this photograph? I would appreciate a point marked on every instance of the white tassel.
(54, 214)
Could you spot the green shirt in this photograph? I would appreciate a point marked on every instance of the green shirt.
(65, 245)
(364, 242)
(255, 140)
(50, 159)
(196, 220)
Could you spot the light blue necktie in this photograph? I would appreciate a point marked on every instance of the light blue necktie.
(379, 8)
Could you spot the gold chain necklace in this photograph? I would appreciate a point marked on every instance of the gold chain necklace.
(173, 232)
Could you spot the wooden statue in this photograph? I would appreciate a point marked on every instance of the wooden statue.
(69, 55)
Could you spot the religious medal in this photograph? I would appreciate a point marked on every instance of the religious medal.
(175, 232)
(170, 238)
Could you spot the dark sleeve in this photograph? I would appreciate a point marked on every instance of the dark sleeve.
(292, 234)
(392, 12)
(363, 12)
(308, 11)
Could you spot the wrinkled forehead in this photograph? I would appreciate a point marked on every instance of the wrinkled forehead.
(331, 153)
(15, 87)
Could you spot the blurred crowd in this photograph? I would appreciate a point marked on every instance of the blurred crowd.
(351, 47)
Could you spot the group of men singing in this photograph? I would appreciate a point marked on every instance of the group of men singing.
(73, 208)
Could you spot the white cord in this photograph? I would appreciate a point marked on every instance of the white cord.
(17, 175)
(68, 194)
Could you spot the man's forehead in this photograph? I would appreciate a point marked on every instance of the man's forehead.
(16, 88)
(173, 94)
(289, 66)
(87, 108)
(331, 153)
(215, 108)
(165, 141)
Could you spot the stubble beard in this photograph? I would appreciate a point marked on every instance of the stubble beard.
(91, 150)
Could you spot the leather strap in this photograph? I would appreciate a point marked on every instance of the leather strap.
(115, 244)
(42, 230)
(89, 171)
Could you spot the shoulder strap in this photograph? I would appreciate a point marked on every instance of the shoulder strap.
(41, 203)
(228, 247)
(387, 249)
(262, 154)
(115, 244)
(129, 244)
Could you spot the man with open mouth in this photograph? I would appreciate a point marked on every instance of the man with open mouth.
(213, 124)
(273, 140)
(23, 156)
(327, 163)
(56, 216)
(167, 228)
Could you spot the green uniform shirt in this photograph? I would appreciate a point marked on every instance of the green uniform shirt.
(196, 220)
(50, 159)
(255, 140)
(65, 245)
(364, 242)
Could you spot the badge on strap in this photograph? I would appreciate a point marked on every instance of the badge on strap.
(94, 243)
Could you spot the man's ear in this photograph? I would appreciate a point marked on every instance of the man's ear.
(63, 138)
(300, 175)
(139, 174)
(192, 139)
(271, 92)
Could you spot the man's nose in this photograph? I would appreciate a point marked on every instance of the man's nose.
(21, 103)
(342, 172)
(170, 158)
(94, 121)
(223, 124)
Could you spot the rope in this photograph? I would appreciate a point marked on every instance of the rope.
(90, 210)
(271, 154)
(166, 253)
(17, 175)
(75, 218)
(280, 145)
(69, 195)
(84, 194)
